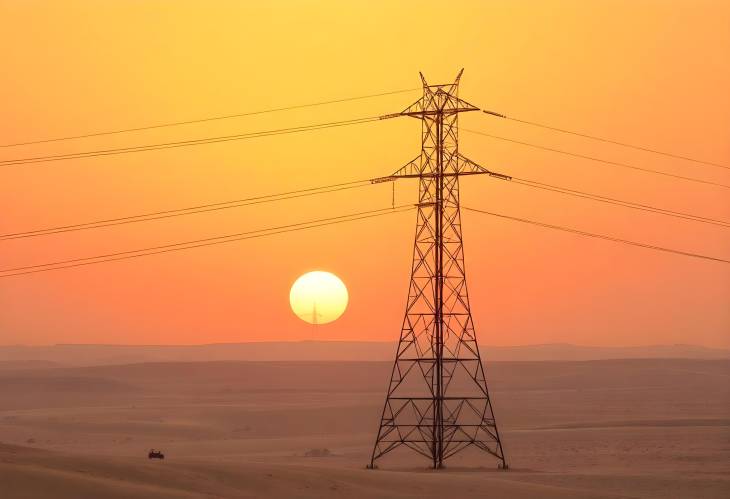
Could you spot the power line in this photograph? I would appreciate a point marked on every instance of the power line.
(618, 202)
(211, 241)
(599, 160)
(203, 208)
(598, 236)
(192, 142)
(608, 141)
(213, 118)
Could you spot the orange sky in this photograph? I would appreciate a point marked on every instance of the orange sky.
(651, 73)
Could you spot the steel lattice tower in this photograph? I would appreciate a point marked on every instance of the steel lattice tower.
(438, 402)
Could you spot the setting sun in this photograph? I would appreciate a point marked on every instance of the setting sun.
(318, 297)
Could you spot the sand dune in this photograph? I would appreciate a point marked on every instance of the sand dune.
(33, 474)
(615, 428)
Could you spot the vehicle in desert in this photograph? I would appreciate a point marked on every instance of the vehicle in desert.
(155, 454)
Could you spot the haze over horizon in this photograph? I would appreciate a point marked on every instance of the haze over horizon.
(60, 355)
(313, 340)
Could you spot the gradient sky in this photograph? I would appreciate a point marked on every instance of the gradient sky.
(650, 73)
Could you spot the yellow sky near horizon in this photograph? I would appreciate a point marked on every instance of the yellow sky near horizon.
(651, 73)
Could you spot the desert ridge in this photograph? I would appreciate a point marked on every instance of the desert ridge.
(360, 351)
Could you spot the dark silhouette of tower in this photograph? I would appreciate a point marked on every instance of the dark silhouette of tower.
(315, 315)
(438, 403)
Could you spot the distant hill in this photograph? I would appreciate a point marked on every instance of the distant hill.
(566, 351)
(27, 364)
(20, 356)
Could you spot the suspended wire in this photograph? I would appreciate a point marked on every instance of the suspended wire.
(192, 142)
(203, 208)
(608, 141)
(598, 236)
(618, 202)
(213, 118)
(210, 241)
(599, 160)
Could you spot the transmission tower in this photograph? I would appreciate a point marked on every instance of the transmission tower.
(438, 403)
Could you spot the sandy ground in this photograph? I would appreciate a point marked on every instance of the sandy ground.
(617, 428)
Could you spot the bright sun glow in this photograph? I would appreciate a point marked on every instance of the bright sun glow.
(318, 297)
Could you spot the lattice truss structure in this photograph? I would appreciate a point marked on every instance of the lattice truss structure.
(438, 402)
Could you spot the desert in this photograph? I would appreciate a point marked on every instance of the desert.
(646, 428)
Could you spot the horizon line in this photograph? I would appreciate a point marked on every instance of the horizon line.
(374, 342)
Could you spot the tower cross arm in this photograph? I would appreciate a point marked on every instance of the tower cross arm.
(435, 103)
(469, 167)
(417, 168)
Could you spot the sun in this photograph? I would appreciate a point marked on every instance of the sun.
(318, 297)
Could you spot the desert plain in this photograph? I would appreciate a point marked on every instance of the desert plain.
(616, 428)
